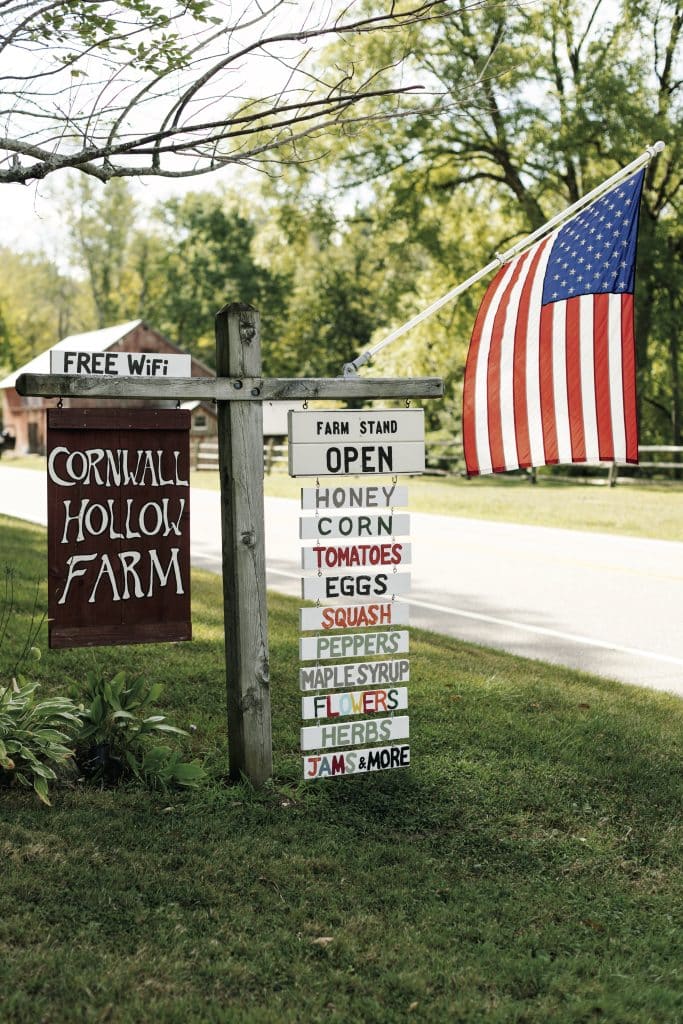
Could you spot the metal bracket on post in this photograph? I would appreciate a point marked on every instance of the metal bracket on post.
(240, 440)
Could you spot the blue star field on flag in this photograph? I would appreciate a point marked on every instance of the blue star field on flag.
(595, 253)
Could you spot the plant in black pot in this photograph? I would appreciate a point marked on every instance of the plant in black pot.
(116, 739)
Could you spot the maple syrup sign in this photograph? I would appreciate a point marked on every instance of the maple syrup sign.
(118, 526)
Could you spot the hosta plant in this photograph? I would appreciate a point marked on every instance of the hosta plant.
(161, 768)
(36, 736)
(117, 734)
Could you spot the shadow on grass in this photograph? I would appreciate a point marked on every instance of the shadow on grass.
(525, 868)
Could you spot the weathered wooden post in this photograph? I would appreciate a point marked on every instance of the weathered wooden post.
(240, 462)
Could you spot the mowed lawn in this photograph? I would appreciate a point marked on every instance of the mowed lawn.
(639, 509)
(647, 509)
(525, 868)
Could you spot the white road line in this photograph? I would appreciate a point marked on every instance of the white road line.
(543, 631)
(539, 630)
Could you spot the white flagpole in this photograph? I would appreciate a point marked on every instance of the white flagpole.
(351, 368)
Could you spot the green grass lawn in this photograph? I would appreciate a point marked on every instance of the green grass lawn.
(525, 868)
(640, 510)
(647, 509)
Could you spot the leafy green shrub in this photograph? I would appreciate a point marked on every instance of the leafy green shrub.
(34, 735)
(114, 741)
(8, 611)
(106, 727)
(162, 768)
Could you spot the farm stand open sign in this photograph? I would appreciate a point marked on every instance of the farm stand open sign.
(343, 442)
(118, 526)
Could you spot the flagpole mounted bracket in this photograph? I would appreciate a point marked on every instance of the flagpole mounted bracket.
(351, 369)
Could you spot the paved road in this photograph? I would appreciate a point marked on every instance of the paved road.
(605, 604)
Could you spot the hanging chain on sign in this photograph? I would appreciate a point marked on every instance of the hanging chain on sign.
(354, 553)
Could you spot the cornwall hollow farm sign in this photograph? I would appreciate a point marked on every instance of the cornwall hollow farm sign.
(118, 526)
(354, 570)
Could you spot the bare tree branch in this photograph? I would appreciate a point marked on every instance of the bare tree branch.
(120, 89)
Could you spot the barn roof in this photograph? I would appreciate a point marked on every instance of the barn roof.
(195, 403)
(90, 341)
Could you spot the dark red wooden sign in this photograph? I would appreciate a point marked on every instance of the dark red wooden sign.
(118, 526)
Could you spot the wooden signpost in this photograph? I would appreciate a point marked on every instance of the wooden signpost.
(239, 391)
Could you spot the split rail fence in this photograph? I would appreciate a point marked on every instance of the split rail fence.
(444, 458)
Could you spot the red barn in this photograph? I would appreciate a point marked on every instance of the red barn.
(25, 417)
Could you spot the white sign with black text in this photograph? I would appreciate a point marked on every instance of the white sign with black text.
(347, 442)
(355, 673)
(354, 585)
(330, 499)
(380, 525)
(121, 364)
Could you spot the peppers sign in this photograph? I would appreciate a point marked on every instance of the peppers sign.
(118, 526)
(347, 442)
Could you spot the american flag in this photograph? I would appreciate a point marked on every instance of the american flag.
(550, 375)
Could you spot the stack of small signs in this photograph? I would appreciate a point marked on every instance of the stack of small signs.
(353, 557)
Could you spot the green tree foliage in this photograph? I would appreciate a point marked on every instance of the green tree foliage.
(127, 87)
(546, 101)
(39, 304)
(327, 310)
(196, 256)
(102, 222)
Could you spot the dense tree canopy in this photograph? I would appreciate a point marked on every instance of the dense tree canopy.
(39, 304)
(559, 95)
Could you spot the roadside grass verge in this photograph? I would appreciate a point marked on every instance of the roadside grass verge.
(652, 510)
(525, 868)
(647, 509)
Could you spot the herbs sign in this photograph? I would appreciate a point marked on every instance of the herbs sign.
(118, 526)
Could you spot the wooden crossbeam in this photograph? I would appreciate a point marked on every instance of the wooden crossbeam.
(235, 389)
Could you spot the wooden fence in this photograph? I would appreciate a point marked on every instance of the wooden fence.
(444, 458)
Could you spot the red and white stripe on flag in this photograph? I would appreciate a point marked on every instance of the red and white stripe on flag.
(550, 382)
